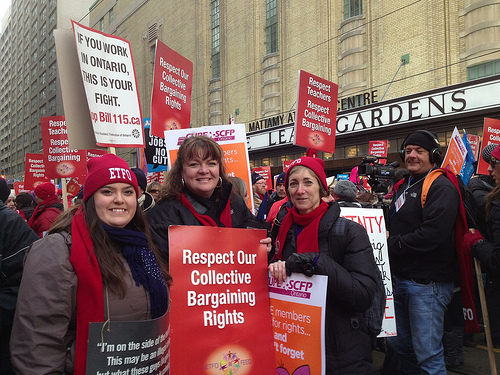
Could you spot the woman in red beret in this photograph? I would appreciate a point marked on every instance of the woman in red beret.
(310, 237)
(96, 264)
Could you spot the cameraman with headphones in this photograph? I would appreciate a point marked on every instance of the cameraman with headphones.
(422, 256)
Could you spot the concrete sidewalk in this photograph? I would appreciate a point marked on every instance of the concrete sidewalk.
(475, 354)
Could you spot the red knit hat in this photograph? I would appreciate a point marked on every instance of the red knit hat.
(45, 190)
(496, 152)
(107, 169)
(317, 165)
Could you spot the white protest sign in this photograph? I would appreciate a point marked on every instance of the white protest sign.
(373, 221)
(111, 87)
(231, 138)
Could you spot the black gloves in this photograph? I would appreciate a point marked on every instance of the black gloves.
(302, 263)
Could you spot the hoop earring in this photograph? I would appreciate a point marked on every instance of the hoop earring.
(219, 184)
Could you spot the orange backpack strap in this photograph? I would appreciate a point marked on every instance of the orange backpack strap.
(429, 179)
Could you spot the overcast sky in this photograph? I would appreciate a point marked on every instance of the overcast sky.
(4, 5)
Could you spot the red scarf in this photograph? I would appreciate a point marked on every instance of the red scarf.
(307, 240)
(225, 216)
(89, 292)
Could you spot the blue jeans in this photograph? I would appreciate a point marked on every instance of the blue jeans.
(420, 312)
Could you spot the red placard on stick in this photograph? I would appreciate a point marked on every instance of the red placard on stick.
(491, 134)
(59, 160)
(378, 149)
(110, 84)
(316, 115)
(221, 318)
(34, 172)
(172, 85)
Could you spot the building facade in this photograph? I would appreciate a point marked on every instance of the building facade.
(28, 84)
(247, 55)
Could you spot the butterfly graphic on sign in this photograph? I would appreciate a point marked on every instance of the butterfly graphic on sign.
(302, 370)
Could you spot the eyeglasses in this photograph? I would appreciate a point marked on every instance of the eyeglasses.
(260, 183)
(494, 162)
(154, 191)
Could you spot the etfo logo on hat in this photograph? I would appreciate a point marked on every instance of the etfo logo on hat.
(107, 169)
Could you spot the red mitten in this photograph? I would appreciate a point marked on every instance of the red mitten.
(471, 239)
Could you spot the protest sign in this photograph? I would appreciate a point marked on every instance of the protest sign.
(171, 96)
(34, 171)
(59, 160)
(286, 164)
(316, 114)
(298, 314)
(266, 173)
(455, 154)
(468, 166)
(231, 138)
(378, 149)
(474, 144)
(374, 223)
(138, 347)
(156, 176)
(221, 310)
(156, 152)
(19, 187)
(110, 86)
(78, 123)
(491, 134)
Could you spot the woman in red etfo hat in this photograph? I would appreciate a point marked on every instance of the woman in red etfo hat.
(311, 238)
(96, 264)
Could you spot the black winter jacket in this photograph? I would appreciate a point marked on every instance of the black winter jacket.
(421, 243)
(15, 237)
(349, 263)
(173, 212)
(488, 252)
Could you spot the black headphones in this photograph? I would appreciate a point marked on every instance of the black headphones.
(435, 155)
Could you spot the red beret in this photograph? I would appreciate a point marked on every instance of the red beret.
(107, 169)
(317, 165)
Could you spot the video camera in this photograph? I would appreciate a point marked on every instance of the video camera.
(379, 175)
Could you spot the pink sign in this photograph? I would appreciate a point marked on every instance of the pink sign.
(316, 114)
(172, 85)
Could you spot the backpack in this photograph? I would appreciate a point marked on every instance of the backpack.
(374, 316)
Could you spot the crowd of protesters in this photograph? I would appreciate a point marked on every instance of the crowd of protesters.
(111, 247)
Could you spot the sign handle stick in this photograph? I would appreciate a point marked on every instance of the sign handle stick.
(486, 320)
(64, 194)
(112, 150)
(165, 175)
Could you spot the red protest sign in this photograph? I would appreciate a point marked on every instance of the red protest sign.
(172, 85)
(474, 144)
(378, 149)
(34, 172)
(221, 284)
(266, 173)
(59, 160)
(491, 134)
(19, 187)
(316, 114)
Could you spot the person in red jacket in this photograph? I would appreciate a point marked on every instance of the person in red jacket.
(47, 210)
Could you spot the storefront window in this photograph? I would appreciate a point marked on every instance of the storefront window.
(351, 152)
